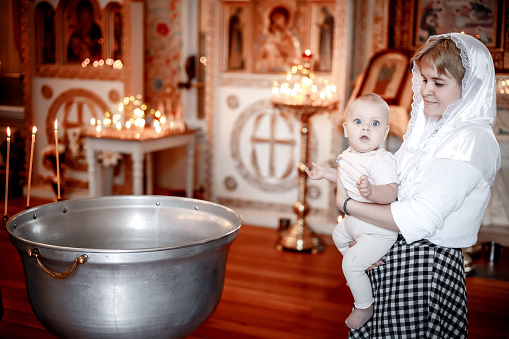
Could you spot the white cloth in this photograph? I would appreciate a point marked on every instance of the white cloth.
(463, 134)
(372, 242)
(380, 166)
(447, 207)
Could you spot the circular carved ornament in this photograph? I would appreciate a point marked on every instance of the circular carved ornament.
(230, 183)
(264, 147)
(232, 101)
(314, 192)
(86, 104)
(47, 91)
(114, 96)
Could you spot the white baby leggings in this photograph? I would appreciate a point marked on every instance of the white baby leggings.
(372, 243)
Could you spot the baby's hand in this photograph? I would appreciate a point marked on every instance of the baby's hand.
(317, 173)
(364, 186)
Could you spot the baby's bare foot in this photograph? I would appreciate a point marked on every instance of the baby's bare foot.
(359, 317)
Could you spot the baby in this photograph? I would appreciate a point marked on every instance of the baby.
(369, 174)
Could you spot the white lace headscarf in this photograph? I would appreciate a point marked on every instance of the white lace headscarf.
(464, 132)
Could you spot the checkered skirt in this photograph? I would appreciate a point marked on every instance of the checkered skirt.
(420, 292)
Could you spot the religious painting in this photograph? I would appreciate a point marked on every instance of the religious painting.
(237, 32)
(268, 36)
(113, 31)
(412, 22)
(79, 38)
(278, 44)
(85, 36)
(476, 18)
(45, 33)
(386, 76)
(322, 36)
(90, 33)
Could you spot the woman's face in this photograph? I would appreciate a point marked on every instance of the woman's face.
(438, 90)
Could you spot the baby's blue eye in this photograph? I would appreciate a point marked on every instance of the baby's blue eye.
(357, 121)
(375, 123)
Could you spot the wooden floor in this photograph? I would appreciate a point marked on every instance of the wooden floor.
(267, 294)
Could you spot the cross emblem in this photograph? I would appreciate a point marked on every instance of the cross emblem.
(275, 118)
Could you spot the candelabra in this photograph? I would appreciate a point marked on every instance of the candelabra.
(303, 94)
(299, 236)
(135, 121)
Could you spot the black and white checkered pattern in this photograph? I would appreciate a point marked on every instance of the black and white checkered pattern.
(420, 292)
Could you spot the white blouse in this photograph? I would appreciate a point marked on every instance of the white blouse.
(447, 207)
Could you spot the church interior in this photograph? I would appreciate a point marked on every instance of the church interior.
(192, 101)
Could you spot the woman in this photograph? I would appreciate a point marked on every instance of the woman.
(447, 165)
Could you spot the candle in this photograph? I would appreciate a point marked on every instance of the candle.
(34, 129)
(160, 108)
(7, 169)
(168, 107)
(58, 160)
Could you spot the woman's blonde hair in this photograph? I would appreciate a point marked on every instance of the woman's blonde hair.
(444, 54)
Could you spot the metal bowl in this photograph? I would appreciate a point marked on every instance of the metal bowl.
(124, 266)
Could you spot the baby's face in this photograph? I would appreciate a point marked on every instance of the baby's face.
(366, 126)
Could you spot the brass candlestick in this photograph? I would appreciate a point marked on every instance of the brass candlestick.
(299, 236)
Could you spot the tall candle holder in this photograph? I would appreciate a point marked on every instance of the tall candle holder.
(303, 95)
(134, 120)
(299, 236)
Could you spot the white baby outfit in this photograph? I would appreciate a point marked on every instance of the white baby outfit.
(373, 242)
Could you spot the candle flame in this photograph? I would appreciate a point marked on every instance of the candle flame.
(8, 132)
(34, 129)
(308, 52)
(56, 124)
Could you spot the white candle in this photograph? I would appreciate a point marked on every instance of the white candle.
(34, 129)
(7, 168)
(58, 160)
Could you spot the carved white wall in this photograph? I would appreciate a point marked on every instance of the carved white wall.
(239, 115)
(73, 94)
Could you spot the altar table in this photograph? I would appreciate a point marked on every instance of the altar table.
(139, 149)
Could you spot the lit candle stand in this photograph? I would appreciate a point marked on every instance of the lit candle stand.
(138, 130)
(303, 95)
(135, 121)
(303, 87)
(503, 86)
